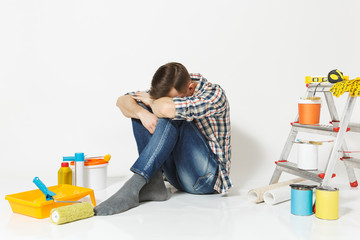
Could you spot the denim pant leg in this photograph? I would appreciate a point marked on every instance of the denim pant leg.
(142, 137)
(157, 150)
(141, 134)
(186, 154)
(193, 162)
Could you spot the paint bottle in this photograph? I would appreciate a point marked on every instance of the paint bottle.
(327, 203)
(79, 159)
(302, 199)
(65, 174)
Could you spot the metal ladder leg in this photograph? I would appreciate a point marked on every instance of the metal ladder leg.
(284, 154)
(349, 169)
(331, 106)
(335, 118)
(339, 141)
(276, 176)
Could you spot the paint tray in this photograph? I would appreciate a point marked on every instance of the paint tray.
(34, 204)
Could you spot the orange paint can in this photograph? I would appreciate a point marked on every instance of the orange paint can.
(309, 111)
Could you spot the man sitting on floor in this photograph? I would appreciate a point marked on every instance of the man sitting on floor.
(182, 130)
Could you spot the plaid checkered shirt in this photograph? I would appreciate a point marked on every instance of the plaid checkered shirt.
(209, 108)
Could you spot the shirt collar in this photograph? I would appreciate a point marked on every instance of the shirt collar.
(197, 77)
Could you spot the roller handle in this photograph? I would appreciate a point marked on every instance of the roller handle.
(48, 194)
(68, 158)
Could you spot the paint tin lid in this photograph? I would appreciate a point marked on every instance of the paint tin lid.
(326, 188)
(93, 161)
(309, 101)
(302, 187)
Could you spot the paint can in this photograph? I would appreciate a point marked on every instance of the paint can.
(95, 173)
(302, 199)
(309, 111)
(307, 156)
(327, 203)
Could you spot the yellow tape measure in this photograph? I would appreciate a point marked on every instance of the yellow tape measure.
(335, 76)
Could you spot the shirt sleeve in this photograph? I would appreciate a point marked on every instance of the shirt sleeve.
(210, 102)
(133, 93)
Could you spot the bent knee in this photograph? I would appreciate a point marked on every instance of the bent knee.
(199, 184)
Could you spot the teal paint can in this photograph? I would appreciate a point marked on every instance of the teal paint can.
(302, 199)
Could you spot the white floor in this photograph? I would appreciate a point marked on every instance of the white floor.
(186, 216)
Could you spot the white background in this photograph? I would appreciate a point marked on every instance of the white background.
(64, 63)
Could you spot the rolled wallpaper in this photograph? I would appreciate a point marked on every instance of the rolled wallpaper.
(257, 195)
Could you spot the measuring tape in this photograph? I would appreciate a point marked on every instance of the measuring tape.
(335, 76)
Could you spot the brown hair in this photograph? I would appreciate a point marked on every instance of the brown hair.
(170, 75)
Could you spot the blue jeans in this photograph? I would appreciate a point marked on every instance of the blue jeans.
(179, 148)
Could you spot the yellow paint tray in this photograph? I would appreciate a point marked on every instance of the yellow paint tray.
(33, 203)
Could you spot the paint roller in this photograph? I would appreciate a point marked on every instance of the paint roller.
(71, 213)
(68, 213)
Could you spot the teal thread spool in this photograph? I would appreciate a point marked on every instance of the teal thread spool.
(302, 199)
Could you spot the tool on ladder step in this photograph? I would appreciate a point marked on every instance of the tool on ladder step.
(335, 76)
(313, 98)
(309, 79)
(332, 77)
(312, 142)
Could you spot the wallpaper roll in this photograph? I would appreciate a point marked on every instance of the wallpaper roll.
(257, 195)
(281, 194)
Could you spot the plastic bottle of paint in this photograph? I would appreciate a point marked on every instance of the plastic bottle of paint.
(65, 174)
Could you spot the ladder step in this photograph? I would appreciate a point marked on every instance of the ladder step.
(354, 162)
(292, 168)
(325, 129)
(354, 127)
(323, 87)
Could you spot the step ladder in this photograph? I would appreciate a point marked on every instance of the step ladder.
(337, 128)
